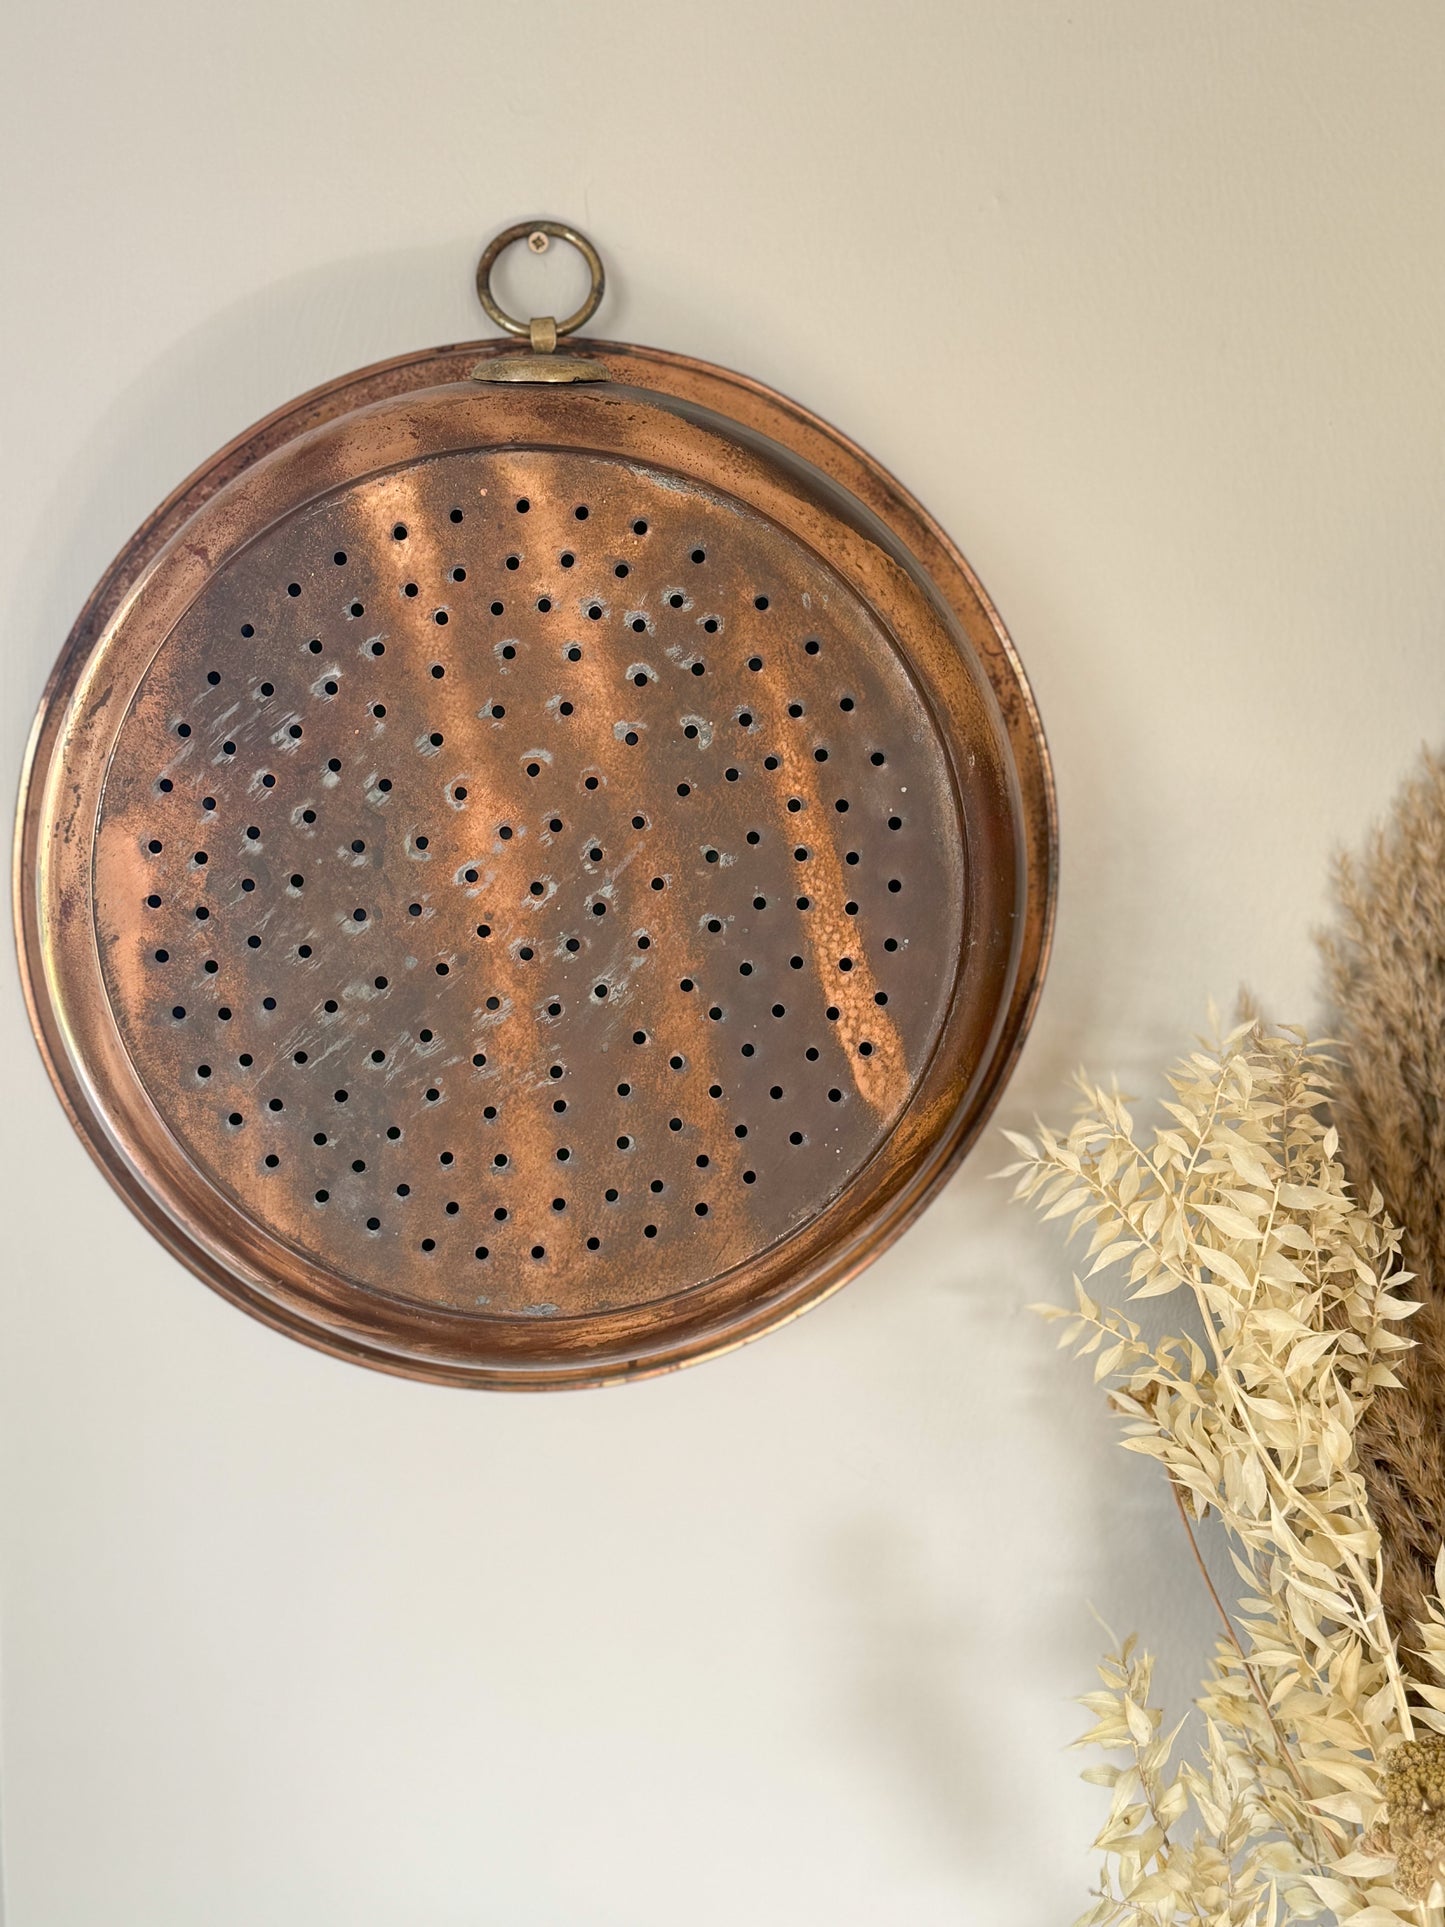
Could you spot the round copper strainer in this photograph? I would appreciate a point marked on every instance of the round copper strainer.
(532, 877)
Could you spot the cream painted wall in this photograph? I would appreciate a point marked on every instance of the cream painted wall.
(1145, 300)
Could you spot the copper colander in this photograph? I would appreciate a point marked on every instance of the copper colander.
(534, 867)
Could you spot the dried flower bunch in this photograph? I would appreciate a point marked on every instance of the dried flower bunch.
(1318, 1783)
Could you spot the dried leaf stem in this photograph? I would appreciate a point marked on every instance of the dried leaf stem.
(1241, 1199)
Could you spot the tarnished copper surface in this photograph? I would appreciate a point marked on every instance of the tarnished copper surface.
(525, 886)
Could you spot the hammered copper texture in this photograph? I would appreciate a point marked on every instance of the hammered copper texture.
(532, 885)
(528, 882)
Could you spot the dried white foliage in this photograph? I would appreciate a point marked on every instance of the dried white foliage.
(1302, 1801)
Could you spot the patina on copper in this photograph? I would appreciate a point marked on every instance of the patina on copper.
(528, 884)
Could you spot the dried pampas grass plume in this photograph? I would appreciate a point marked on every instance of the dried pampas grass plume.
(1385, 971)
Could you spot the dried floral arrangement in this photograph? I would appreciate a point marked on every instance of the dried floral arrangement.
(1294, 1408)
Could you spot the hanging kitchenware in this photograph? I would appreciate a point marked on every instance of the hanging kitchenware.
(534, 864)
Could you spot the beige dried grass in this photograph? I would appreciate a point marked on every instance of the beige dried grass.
(1385, 970)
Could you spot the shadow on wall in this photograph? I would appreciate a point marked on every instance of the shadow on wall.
(1003, 1486)
(914, 1692)
(1113, 1546)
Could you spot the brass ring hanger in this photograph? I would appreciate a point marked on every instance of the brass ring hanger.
(544, 332)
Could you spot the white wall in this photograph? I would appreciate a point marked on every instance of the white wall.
(1145, 300)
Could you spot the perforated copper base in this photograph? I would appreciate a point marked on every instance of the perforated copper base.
(534, 885)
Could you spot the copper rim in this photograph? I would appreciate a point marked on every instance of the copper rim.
(733, 1222)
